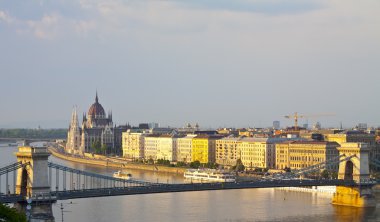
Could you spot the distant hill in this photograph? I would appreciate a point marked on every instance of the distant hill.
(34, 133)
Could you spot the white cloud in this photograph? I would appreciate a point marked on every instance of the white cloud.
(46, 28)
(4, 17)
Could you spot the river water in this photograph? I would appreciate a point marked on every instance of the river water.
(227, 205)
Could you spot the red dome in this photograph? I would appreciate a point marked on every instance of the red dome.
(96, 109)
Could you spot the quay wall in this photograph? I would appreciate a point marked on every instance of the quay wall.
(117, 165)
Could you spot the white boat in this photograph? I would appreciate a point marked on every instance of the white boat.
(209, 175)
(122, 175)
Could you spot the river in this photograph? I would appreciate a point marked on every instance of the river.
(226, 205)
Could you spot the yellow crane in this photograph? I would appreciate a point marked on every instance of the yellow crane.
(296, 116)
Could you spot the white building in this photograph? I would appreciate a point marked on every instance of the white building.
(184, 145)
(133, 144)
(150, 147)
(257, 152)
(167, 148)
(160, 147)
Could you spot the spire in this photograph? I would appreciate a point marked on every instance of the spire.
(74, 118)
(96, 98)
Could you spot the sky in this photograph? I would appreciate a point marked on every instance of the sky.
(220, 63)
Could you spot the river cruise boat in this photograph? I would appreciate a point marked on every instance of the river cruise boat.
(209, 175)
(122, 175)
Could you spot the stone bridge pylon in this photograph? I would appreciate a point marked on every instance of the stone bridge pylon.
(355, 168)
(33, 183)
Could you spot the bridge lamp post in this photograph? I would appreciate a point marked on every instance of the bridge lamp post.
(28, 208)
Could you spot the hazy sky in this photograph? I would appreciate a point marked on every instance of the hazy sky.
(216, 62)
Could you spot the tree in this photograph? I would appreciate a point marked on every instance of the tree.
(325, 174)
(334, 175)
(150, 161)
(287, 169)
(196, 164)
(181, 164)
(163, 162)
(239, 166)
(211, 165)
(103, 148)
(10, 214)
(96, 146)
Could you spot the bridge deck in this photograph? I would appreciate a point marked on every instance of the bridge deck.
(166, 188)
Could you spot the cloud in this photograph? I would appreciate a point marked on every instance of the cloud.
(270, 7)
(4, 17)
(46, 28)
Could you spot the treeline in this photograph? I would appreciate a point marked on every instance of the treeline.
(34, 133)
(10, 214)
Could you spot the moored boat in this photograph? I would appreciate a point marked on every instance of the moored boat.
(210, 175)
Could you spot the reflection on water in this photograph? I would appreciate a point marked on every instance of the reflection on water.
(227, 205)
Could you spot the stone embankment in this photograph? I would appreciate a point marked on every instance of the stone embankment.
(113, 163)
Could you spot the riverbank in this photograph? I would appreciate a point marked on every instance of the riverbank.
(116, 164)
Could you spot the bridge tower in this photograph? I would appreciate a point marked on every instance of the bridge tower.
(33, 183)
(354, 169)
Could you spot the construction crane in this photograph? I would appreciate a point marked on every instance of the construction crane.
(296, 116)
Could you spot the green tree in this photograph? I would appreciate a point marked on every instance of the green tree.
(239, 166)
(10, 214)
(103, 149)
(325, 174)
(96, 146)
(181, 164)
(211, 165)
(150, 161)
(34, 133)
(287, 169)
(334, 175)
(196, 164)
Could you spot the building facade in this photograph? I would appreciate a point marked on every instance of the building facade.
(167, 148)
(73, 144)
(160, 147)
(203, 148)
(97, 132)
(227, 151)
(184, 145)
(151, 144)
(302, 154)
(133, 144)
(357, 136)
(257, 153)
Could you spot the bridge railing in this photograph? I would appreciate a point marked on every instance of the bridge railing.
(66, 178)
(8, 175)
(164, 188)
(320, 166)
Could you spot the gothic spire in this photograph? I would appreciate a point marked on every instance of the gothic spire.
(96, 98)
(74, 118)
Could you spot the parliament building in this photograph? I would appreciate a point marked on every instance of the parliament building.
(97, 130)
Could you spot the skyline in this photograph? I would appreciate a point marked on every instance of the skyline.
(233, 64)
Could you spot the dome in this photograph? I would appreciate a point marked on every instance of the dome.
(96, 109)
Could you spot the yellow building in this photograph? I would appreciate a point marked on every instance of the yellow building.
(203, 148)
(257, 152)
(355, 136)
(301, 154)
(133, 144)
(227, 152)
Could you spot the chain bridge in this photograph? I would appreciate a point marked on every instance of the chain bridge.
(33, 183)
